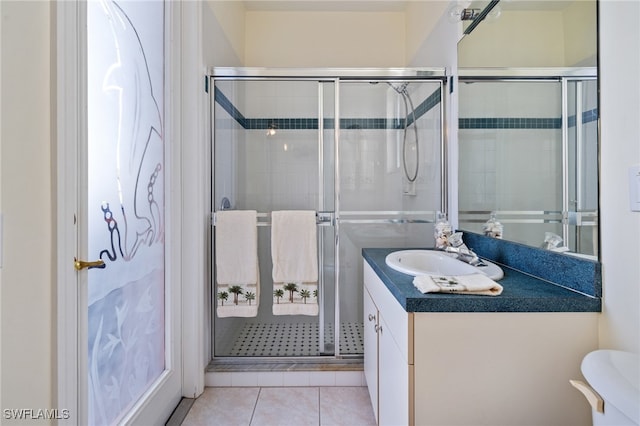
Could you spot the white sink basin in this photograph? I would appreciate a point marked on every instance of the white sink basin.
(433, 262)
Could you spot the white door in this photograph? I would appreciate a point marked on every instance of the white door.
(129, 367)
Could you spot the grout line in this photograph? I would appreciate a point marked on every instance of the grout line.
(319, 406)
(253, 413)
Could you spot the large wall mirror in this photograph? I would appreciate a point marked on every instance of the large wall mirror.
(528, 123)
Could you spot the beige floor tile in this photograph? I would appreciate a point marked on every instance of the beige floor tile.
(348, 406)
(287, 406)
(223, 407)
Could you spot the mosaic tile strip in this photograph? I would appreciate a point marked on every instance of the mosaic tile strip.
(523, 123)
(510, 123)
(587, 117)
(228, 106)
(312, 123)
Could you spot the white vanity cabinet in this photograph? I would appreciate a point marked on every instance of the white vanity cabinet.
(388, 359)
(480, 368)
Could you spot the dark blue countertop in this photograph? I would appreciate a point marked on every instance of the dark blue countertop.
(522, 293)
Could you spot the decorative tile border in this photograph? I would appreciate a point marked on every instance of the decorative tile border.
(328, 123)
(523, 123)
(228, 106)
(510, 123)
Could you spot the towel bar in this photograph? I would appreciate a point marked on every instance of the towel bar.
(322, 219)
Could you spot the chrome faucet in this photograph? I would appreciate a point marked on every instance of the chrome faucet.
(462, 252)
(465, 254)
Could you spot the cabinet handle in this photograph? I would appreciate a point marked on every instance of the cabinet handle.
(372, 317)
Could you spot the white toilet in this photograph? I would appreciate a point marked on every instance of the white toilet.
(614, 387)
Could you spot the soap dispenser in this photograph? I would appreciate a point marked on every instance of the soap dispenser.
(441, 231)
(492, 228)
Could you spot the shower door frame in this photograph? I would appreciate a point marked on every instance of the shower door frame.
(335, 76)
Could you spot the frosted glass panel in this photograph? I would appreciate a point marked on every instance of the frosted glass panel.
(126, 350)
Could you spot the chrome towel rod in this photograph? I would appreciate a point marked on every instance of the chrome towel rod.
(264, 219)
(328, 218)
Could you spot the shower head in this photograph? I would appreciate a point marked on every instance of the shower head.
(401, 89)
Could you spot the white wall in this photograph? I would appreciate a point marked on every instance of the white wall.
(223, 33)
(431, 37)
(27, 333)
(325, 39)
(580, 41)
(427, 29)
(620, 149)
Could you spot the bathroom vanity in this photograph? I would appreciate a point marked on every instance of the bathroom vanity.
(447, 359)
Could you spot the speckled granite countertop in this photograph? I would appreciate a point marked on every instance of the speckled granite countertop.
(522, 293)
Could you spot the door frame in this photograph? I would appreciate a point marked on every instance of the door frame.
(185, 164)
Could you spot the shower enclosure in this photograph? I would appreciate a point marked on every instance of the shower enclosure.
(528, 143)
(363, 149)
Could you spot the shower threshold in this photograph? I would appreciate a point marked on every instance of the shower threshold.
(256, 364)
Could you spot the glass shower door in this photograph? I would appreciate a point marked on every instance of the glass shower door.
(273, 150)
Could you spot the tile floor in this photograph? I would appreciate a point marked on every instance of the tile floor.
(281, 406)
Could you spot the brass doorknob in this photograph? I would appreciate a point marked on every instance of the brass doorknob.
(81, 264)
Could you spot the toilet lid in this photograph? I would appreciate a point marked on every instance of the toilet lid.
(615, 375)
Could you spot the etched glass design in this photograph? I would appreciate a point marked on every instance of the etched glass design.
(126, 317)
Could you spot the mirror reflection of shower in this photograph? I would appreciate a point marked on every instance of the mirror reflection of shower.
(406, 98)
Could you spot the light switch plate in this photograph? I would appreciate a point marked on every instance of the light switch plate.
(634, 188)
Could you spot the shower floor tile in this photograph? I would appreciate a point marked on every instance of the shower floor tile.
(300, 339)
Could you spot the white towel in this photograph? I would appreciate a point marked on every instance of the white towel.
(477, 284)
(237, 271)
(294, 252)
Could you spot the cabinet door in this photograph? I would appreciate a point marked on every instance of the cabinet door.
(393, 379)
(371, 349)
